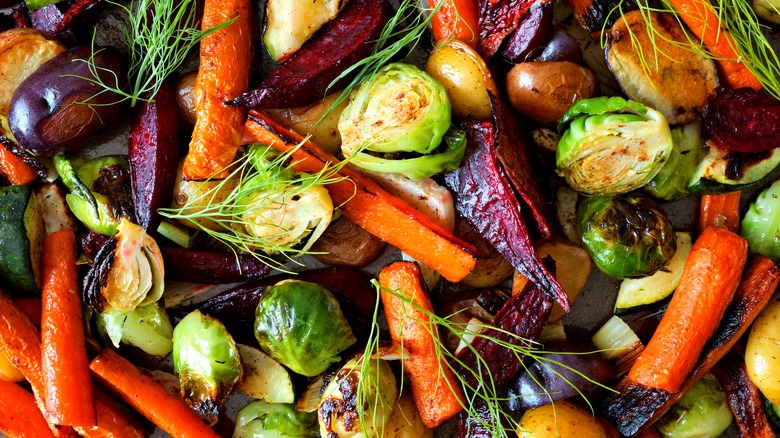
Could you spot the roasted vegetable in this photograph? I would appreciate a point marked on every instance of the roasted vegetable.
(301, 325)
(128, 271)
(768, 10)
(671, 182)
(544, 91)
(723, 172)
(761, 353)
(357, 405)
(400, 109)
(497, 20)
(317, 120)
(264, 378)
(207, 363)
(212, 267)
(45, 115)
(290, 24)
(146, 327)
(702, 412)
(18, 245)
(344, 243)
(626, 236)
(562, 419)
(761, 224)
(655, 68)
(752, 411)
(743, 120)
(610, 145)
(530, 35)
(261, 419)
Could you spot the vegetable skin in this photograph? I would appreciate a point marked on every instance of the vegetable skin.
(720, 210)
(19, 414)
(743, 397)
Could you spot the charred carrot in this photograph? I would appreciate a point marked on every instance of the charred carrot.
(32, 307)
(19, 414)
(702, 20)
(368, 205)
(147, 397)
(455, 19)
(14, 169)
(435, 389)
(225, 57)
(721, 210)
(709, 280)
(65, 365)
(114, 419)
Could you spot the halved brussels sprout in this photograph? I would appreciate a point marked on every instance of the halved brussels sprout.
(128, 272)
(271, 420)
(207, 362)
(146, 327)
(627, 236)
(761, 224)
(610, 145)
(702, 412)
(338, 412)
(671, 182)
(300, 324)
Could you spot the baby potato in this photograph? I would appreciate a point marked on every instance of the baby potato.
(405, 421)
(198, 194)
(466, 78)
(762, 354)
(561, 419)
(304, 120)
(544, 91)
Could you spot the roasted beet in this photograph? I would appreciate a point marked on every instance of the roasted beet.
(211, 267)
(565, 370)
(153, 154)
(530, 34)
(743, 120)
(561, 47)
(498, 19)
(56, 108)
(306, 75)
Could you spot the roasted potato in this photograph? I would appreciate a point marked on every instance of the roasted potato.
(345, 243)
(304, 120)
(561, 419)
(405, 421)
(762, 353)
(676, 82)
(185, 98)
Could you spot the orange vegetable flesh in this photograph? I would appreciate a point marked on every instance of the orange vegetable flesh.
(368, 205)
(14, 169)
(19, 414)
(435, 389)
(709, 279)
(456, 19)
(68, 384)
(225, 62)
(721, 210)
(147, 397)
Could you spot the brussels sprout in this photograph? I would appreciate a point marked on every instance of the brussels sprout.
(399, 109)
(761, 224)
(147, 328)
(627, 236)
(610, 145)
(338, 412)
(703, 412)
(670, 184)
(300, 324)
(207, 363)
(271, 420)
(100, 191)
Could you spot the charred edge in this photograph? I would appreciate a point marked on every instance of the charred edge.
(91, 243)
(634, 407)
(602, 14)
(34, 164)
(113, 182)
(92, 293)
(737, 163)
(743, 396)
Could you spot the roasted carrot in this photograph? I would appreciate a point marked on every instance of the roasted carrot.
(455, 19)
(14, 169)
(32, 307)
(702, 20)
(225, 58)
(19, 414)
(709, 279)
(368, 205)
(721, 210)
(68, 385)
(147, 397)
(114, 419)
(435, 389)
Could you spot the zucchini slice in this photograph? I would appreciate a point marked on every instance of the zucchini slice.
(637, 293)
(16, 271)
(723, 172)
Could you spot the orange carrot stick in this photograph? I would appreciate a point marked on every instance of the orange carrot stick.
(147, 397)
(709, 280)
(721, 210)
(435, 389)
(68, 391)
(20, 342)
(700, 17)
(19, 414)
(14, 169)
(368, 205)
(32, 307)
(456, 19)
(225, 58)
(114, 419)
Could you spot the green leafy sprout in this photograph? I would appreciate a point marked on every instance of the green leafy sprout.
(159, 35)
(737, 17)
(486, 392)
(263, 180)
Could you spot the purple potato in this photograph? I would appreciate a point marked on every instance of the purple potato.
(530, 34)
(561, 47)
(56, 108)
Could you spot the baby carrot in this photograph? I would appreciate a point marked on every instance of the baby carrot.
(721, 210)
